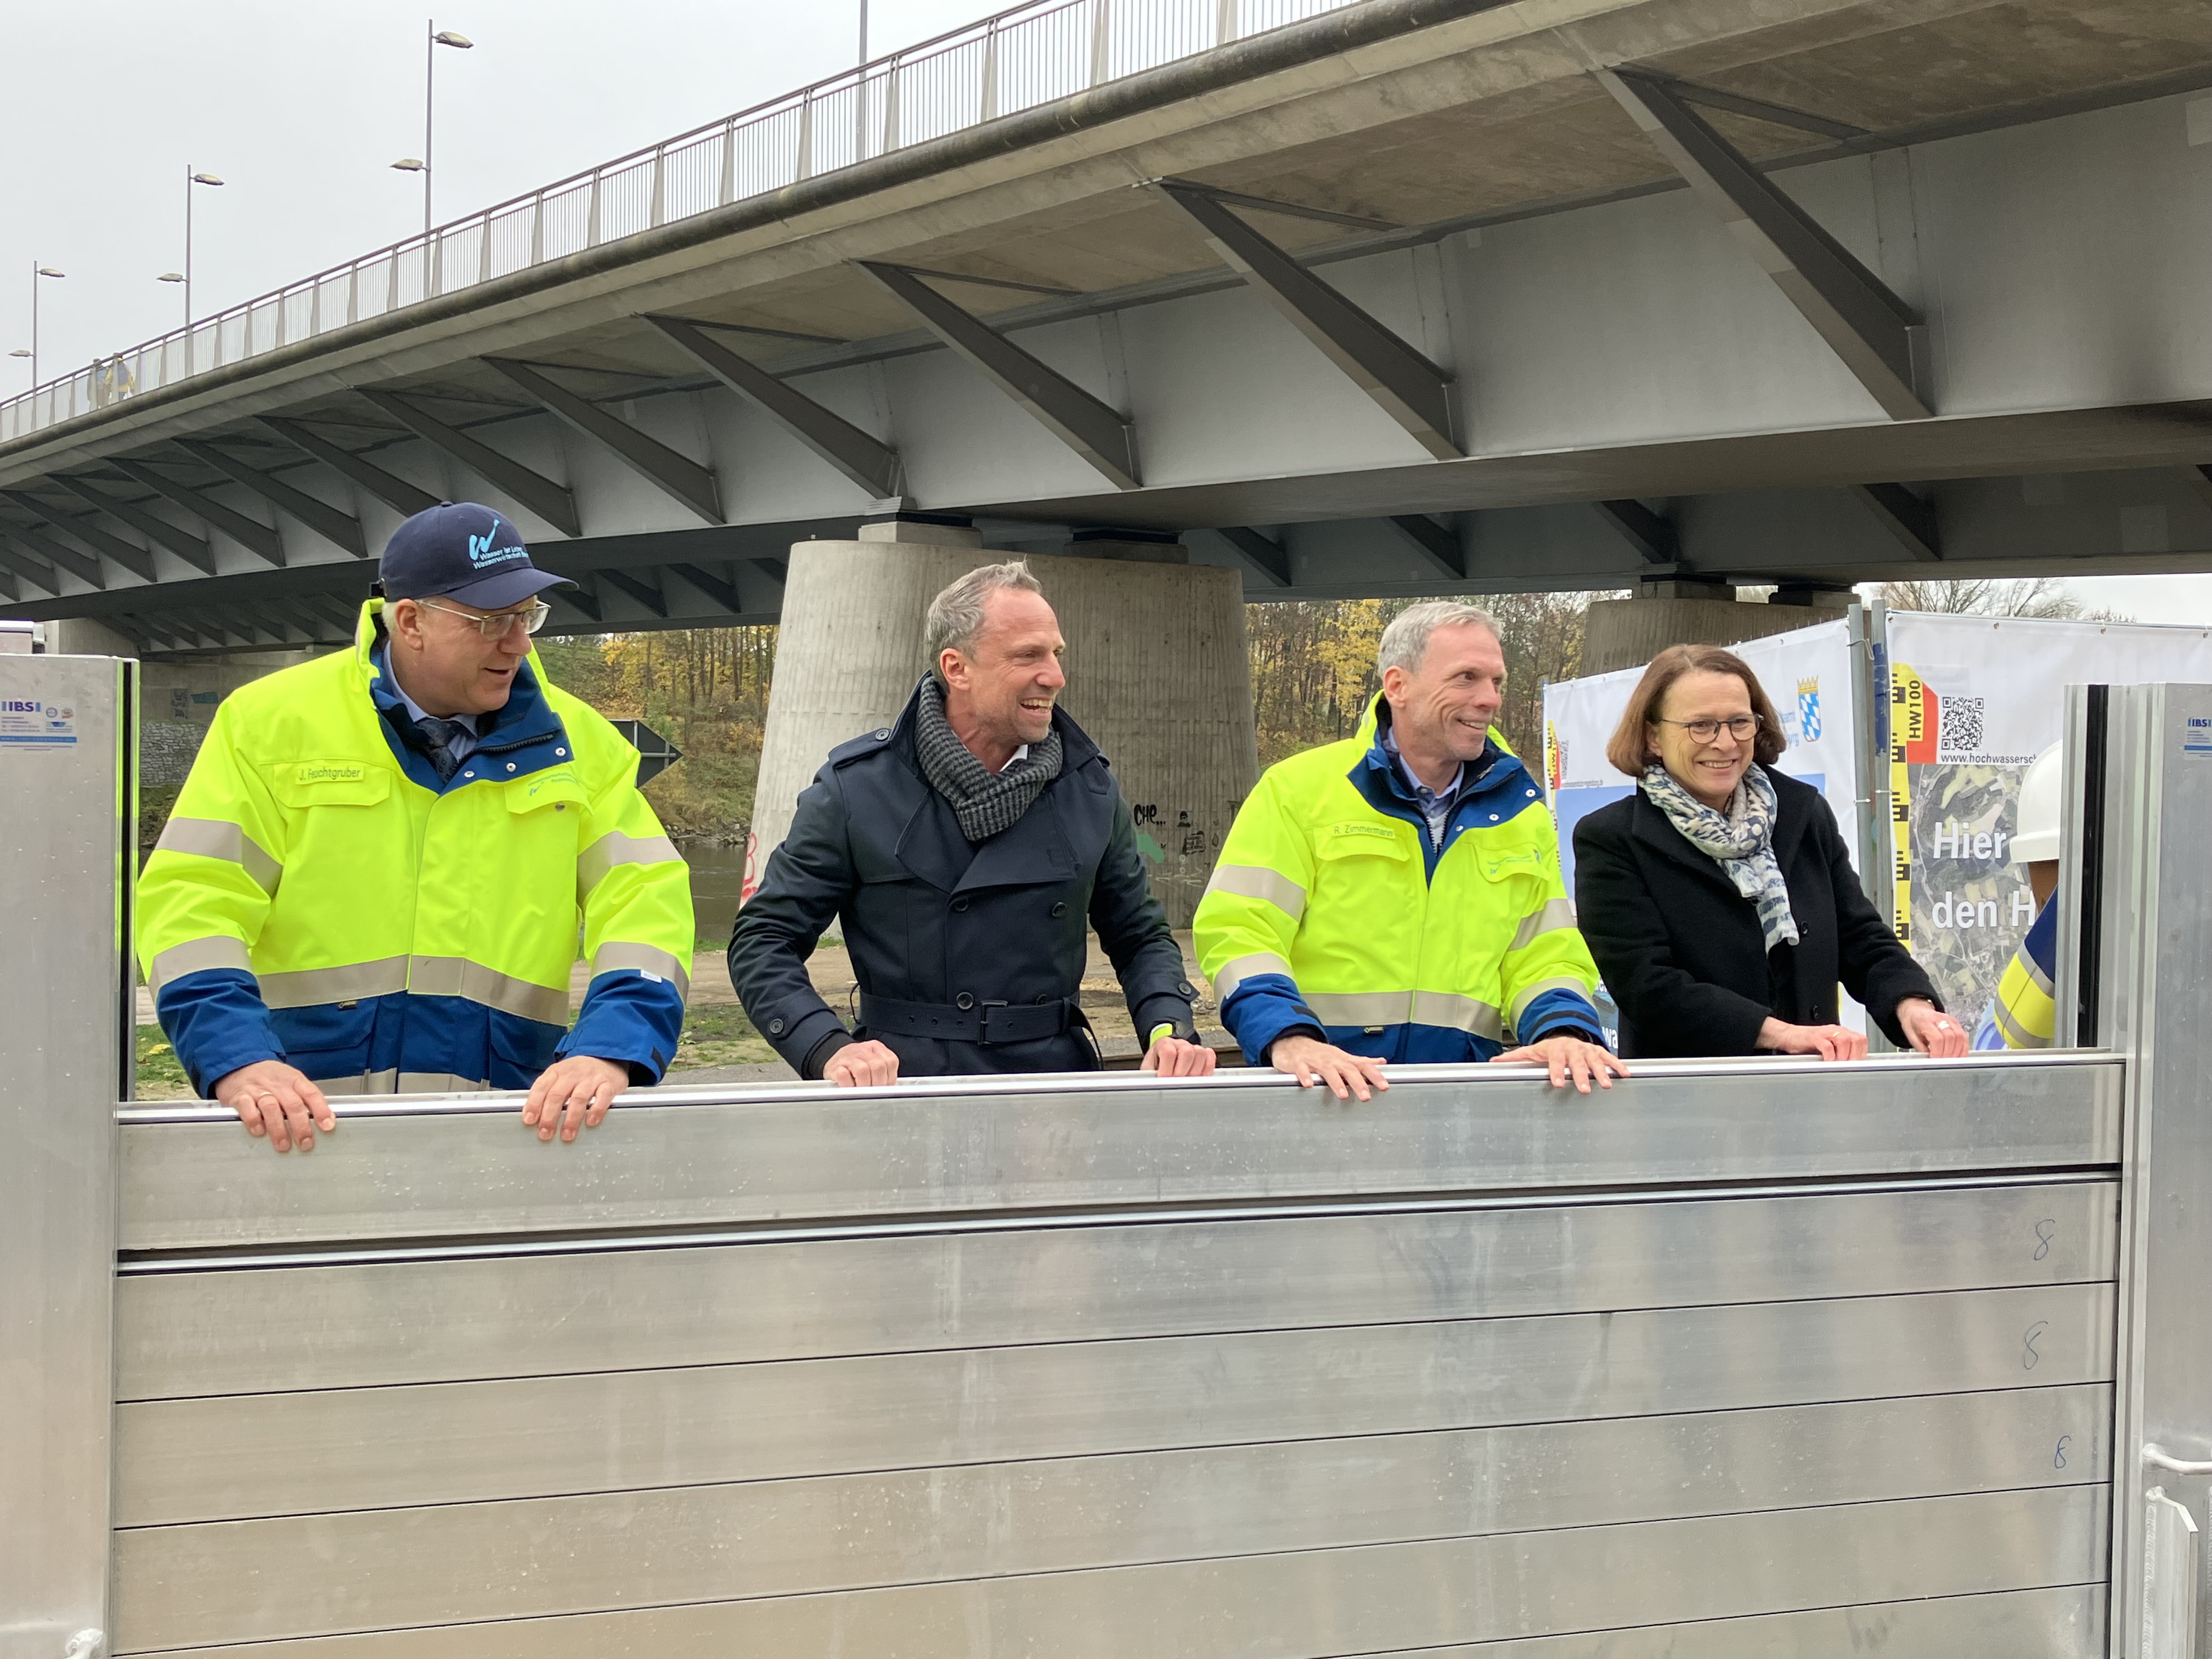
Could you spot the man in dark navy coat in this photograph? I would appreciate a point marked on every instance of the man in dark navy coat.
(963, 849)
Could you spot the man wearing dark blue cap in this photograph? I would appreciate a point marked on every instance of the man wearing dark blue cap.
(378, 875)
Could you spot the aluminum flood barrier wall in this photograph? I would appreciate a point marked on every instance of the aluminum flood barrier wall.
(1735, 1360)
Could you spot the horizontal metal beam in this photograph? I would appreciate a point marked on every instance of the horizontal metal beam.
(192, 549)
(1643, 530)
(1879, 338)
(1099, 434)
(136, 559)
(1439, 544)
(338, 527)
(258, 538)
(548, 500)
(1409, 388)
(873, 466)
(1905, 515)
(677, 474)
(1270, 560)
(395, 493)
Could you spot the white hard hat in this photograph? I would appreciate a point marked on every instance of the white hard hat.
(2036, 840)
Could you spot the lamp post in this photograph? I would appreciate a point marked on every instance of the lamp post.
(37, 272)
(184, 276)
(437, 38)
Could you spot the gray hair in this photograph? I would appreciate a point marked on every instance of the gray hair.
(956, 616)
(1406, 641)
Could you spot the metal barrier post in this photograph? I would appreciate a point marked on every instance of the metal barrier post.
(69, 742)
(2137, 978)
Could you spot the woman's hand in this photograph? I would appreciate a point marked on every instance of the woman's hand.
(1829, 1041)
(1931, 1030)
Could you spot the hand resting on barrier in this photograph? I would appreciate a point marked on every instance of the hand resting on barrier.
(1311, 1060)
(573, 1094)
(1567, 1056)
(1931, 1030)
(861, 1066)
(278, 1101)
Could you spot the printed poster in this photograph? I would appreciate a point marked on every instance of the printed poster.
(1971, 701)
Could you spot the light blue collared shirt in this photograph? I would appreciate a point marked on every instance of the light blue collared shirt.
(1435, 805)
(462, 745)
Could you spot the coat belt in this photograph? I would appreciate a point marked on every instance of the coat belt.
(985, 1023)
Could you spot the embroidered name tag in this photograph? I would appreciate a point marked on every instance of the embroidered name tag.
(331, 772)
(1382, 832)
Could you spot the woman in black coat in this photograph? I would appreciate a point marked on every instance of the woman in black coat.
(1719, 899)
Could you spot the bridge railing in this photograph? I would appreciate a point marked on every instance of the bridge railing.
(1014, 60)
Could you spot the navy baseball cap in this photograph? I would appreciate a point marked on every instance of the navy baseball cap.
(461, 550)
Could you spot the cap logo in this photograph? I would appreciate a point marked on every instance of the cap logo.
(483, 555)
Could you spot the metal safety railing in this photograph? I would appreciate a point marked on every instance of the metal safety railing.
(1014, 60)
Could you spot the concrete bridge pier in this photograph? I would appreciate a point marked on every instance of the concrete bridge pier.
(1629, 633)
(1156, 674)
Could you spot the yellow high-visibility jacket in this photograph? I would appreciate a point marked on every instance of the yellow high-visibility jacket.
(321, 897)
(1333, 912)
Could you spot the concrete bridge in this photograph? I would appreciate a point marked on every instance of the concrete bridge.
(1409, 296)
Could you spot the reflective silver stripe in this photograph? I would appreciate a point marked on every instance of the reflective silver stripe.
(457, 977)
(2016, 1035)
(1257, 881)
(196, 955)
(212, 838)
(615, 847)
(1235, 973)
(1530, 993)
(311, 987)
(2037, 977)
(1361, 1007)
(366, 1083)
(439, 1083)
(1458, 1014)
(1555, 915)
(643, 957)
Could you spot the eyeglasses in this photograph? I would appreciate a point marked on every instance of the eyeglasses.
(1740, 727)
(497, 625)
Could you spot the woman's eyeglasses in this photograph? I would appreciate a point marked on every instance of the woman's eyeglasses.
(1739, 726)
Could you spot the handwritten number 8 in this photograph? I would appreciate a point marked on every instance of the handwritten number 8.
(2058, 1456)
(2029, 1359)
(2043, 1230)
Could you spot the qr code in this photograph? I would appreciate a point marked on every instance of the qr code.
(1962, 725)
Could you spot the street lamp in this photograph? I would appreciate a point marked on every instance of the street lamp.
(438, 38)
(37, 272)
(185, 275)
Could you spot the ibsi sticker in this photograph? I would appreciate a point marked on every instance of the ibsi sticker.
(2196, 735)
(28, 723)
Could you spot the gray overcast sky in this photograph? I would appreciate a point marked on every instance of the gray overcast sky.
(301, 107)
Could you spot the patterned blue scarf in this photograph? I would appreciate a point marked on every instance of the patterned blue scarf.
(1742, 841)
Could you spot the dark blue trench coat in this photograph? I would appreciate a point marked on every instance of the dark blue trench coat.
(970, 957)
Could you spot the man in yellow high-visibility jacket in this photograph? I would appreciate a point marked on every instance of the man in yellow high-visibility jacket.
(1397, 896)
(377, 876)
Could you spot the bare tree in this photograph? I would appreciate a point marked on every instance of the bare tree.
(2044, 597)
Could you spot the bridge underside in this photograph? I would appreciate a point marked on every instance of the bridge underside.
(1434, 298)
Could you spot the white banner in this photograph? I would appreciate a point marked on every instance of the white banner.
(1806, 675)
(1972, 701)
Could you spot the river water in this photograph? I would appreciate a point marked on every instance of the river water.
(717, 875)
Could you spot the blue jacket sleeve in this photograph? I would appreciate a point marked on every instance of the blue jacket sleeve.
(1265, 1007)
(630, 1016)
(216, 1022)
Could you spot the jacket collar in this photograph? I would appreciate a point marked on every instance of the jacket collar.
(1038, 847)
(525, 732)
(1656, 830)
(1379, 778)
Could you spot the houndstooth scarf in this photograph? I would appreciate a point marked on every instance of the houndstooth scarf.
(985, 802)
(1742, 841)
